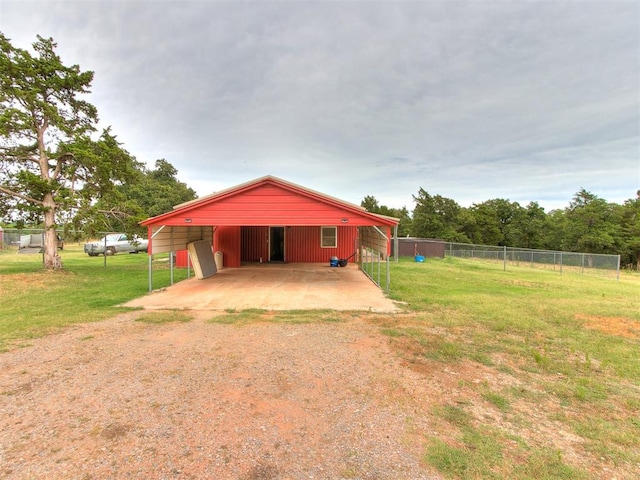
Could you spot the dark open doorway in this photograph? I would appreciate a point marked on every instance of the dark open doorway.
(276, 244)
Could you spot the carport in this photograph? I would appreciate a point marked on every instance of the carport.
(270, 220)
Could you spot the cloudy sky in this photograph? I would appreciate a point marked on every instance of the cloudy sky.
(472, 100)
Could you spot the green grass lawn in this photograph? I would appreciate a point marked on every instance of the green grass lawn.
(560, 354)
(34, 302)
(565, 348)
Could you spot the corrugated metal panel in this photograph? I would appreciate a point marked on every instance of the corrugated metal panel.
(268, 204)
(271, 180)
(182, 259)
(303, 244)
(376, 239)
(170, 239)
(227, 241)
(255, 244)
(248, 244)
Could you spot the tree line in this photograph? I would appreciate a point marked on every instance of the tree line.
(589, 224)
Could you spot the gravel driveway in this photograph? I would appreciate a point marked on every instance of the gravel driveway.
(124, 399)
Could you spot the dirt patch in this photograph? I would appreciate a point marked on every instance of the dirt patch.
(22, 281)
(125, 399)
(260, 400)
(620, 326)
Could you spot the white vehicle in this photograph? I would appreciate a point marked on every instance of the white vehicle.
(116, 243)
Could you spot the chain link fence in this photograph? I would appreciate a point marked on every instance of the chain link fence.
(29, 238)
(25, 238)
(561, 262)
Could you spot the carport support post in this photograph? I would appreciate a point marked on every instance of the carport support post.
(151, 237)
(395, 244)
(388, 273)
(171, 258)
(188, 259)
(171, 265)
(150, 272)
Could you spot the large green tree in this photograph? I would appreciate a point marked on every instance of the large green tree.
(48, 161)
(592, 224)
(121, 209)
(528, 227)
(371, 204)
(553, 238)
(631, 231)
(435, 216)
(159, 190)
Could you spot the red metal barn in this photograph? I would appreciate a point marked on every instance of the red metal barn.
(271, 220)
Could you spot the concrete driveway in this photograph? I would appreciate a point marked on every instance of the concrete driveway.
(294, 286)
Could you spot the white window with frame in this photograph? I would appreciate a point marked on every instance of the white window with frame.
(329, 237)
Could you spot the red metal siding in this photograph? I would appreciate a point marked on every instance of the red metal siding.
(267, 204)
(255, 244)
(303, 244)
(182, 259)
(227, 241)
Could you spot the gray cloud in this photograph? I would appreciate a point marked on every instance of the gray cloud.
(472, 100)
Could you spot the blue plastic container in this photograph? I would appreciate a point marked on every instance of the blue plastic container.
(419, 258)
(333, 262)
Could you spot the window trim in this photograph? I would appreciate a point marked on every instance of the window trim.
(335, 237)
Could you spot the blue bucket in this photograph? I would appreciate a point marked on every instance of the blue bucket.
(333, 262)
(419, 258)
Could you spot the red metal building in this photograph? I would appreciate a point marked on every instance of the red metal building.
(271, 220)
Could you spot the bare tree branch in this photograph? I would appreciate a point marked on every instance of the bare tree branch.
(115, 213)
(59, 162)
(19, 195)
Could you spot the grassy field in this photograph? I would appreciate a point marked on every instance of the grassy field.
(34, 302)
(548, 368)
(539, 373)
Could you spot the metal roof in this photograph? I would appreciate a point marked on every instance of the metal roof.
(238, 190)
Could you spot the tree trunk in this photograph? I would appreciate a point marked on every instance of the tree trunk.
(52, 261)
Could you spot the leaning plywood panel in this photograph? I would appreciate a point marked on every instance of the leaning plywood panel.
(202, 259)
